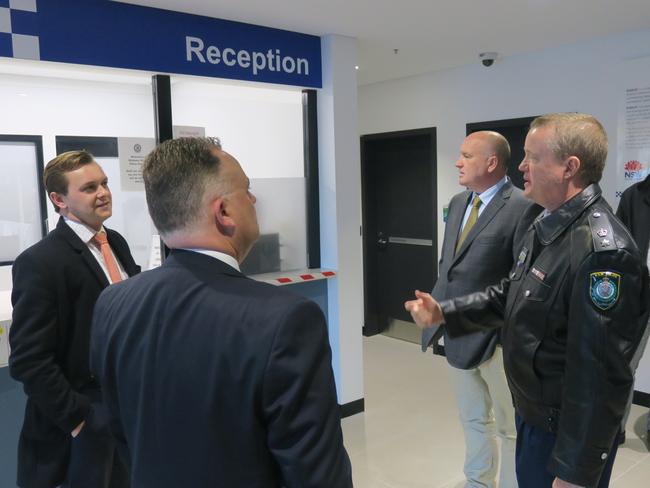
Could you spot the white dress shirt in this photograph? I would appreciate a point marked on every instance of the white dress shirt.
(86, 234)
(223, 257)
(486, 197)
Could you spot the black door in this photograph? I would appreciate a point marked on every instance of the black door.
(399, 222)
(514, 130)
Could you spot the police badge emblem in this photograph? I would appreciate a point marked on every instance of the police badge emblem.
(605, 289)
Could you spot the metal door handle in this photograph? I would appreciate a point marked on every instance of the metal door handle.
(382, 241)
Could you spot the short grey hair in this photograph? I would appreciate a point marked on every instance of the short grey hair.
(176, 175)
(579, 135)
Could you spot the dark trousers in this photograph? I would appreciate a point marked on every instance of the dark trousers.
(94, 460)
(534, 447)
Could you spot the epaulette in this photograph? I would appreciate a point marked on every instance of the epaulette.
(601, 231)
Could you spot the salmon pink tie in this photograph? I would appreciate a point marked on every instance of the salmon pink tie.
(113, 271)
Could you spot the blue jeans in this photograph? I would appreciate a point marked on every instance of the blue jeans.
(534, 447)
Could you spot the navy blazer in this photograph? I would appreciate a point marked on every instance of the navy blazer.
(212, 379)
(634, 212)
(486, 256)
(56, 283)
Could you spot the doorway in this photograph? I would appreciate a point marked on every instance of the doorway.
(514, 130)
(398, 176)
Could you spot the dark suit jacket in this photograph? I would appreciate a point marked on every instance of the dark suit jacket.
(56, 283)
(634, 212)
(215, 380)
(486, 256)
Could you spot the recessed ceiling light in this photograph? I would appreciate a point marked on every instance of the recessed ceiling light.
(356, 67)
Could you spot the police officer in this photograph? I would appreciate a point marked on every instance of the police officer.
(572, 311)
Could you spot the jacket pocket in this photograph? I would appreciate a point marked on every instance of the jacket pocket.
(535, 290)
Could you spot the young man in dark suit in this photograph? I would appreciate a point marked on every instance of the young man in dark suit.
(56, 282)
(479, 247)
(213, 379)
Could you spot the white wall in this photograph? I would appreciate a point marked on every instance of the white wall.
(586, 77)
(340, 211)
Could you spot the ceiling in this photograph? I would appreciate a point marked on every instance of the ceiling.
(431, 35)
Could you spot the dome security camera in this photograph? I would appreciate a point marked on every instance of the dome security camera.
(487, 59)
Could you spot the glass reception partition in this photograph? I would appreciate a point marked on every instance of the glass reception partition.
(74, 107)
(263, 129)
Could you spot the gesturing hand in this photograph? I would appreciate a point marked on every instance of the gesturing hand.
(426, 312)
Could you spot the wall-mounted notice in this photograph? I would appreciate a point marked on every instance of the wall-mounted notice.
(155, 256)
(633, 158)
(187, 131)
(131, 152)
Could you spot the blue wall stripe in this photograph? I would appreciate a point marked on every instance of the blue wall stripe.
(5, 45)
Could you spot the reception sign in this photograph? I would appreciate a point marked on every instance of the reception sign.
(120, 35)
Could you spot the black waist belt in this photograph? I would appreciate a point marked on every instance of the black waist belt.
(540, 416)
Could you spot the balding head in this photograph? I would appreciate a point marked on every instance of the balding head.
(496, 145)
(483, 160)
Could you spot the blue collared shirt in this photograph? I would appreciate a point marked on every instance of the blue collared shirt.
(486, 197)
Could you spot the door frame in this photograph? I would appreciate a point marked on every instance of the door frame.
(497, 124)
(369, 328)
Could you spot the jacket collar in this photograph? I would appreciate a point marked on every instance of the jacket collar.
(644, 187)
(552, 226)
(71, 237)
(201, 263)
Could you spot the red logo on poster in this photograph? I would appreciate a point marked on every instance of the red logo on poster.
(633, 166)
(634, 170)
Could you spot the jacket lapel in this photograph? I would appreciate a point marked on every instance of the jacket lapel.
(68, 235)
(454, 221)
(486, 217)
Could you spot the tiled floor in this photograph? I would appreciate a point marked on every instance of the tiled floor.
(409, 435)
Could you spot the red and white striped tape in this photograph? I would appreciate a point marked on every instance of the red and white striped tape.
(299, 277)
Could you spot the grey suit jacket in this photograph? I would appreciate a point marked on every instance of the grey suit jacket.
(485, 257)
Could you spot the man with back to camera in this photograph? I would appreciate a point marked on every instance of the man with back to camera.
(478, 249)
(211, 378)
(634, 212)
(56, 282)
(572, 310)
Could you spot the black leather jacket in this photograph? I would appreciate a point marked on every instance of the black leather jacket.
(573, 312)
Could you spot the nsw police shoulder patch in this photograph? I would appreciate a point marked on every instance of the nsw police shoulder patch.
(604, 289)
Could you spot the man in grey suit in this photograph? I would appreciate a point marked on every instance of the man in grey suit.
(479, 247)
